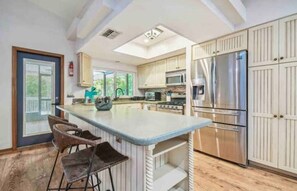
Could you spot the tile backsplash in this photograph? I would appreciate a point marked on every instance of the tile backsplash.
(174, 89)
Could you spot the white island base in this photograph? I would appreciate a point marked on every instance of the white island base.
(164, 166)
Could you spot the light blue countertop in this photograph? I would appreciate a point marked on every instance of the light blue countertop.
(136, 126)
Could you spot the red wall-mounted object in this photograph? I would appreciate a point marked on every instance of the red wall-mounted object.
(71, 69)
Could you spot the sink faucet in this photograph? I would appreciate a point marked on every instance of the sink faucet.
(116, 93)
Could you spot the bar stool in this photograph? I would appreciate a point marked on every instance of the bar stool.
(85, 134)
(85, 163)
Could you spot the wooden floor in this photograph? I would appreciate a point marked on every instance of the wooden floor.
(29, 171)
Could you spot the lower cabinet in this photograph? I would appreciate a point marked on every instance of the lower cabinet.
(273, 116)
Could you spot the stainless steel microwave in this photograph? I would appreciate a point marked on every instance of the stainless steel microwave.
(176, 78)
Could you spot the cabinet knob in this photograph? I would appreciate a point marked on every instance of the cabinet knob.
(281, 116)
(281, 58)
(275, 59)
(218, 51)
(213, 52)
(275, 116)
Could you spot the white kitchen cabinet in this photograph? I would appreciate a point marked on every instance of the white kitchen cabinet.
(263, 44)
(171, 64)
(204, 50)
(160, 71)
(176, 63)
(85, 71)
(288, 39)
(288, 117)
(141, 71)
(263, 115)
(232, 43)
(181, 65)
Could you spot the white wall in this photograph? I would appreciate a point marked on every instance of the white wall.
(23, 24)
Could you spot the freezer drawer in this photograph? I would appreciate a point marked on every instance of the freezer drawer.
(223, 141)
(222, 116)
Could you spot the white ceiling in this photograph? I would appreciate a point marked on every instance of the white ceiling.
(65, 9)
(189, 18)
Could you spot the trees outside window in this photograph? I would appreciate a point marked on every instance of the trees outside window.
(106, 82)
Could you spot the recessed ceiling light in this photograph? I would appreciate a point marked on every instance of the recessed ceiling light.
(146, 40)
(153, 33)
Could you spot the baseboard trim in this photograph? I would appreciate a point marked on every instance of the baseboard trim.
(26, 148)
(273, 170)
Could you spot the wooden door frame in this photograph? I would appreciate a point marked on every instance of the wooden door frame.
(14, 116)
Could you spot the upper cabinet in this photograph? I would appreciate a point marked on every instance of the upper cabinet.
(85, 75)
(231, 43)
(274, 42)
(204, 50)
(288, 39)
(176, 63)
(172, 64)
(152, 75)
(263, 44)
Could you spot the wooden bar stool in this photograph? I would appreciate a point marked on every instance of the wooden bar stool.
(53, 120)
(85, 163)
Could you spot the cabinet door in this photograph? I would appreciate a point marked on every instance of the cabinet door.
(232, 43)
(288, 117)
(160, 70)
(263, 110)
(85, 70)
(181, 62)
(151, 75)
(288, 39)
(171, 64)
(141, 70)
(263, 44)
(204, 50)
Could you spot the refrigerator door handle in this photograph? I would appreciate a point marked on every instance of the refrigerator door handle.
(235, 113)
(213, 79)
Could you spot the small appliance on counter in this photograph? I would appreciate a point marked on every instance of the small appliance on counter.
(152, 96)
(103, 103)
(168, 96)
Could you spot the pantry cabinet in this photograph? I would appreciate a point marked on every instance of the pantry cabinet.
(273, 115)
(160, 71)
(288, 117)
(85, 71)
(263, 115)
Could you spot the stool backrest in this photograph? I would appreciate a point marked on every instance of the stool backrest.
(53, 120)
(63, 139)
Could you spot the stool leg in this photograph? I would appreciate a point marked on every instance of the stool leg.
(98, 181)
(61, 181)
(49, 182)
(111, 180)
(93, 187)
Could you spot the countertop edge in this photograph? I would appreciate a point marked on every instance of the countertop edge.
(136, 141)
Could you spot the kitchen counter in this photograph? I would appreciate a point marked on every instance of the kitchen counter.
(139, 127)
(159, 146)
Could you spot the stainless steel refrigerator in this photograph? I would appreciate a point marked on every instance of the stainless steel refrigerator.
(219, 92)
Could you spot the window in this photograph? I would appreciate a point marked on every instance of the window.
(106, 82)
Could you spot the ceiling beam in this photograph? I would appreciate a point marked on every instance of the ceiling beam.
(231, 12)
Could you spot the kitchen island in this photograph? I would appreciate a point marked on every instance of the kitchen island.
(159, 146)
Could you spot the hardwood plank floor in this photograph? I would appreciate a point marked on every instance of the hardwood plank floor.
(30, 170)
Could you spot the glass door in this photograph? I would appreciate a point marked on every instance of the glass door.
(38, 93)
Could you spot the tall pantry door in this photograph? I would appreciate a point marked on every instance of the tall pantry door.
(288, 117)
(263, 112)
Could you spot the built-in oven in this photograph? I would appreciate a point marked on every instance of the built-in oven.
(176, 78)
